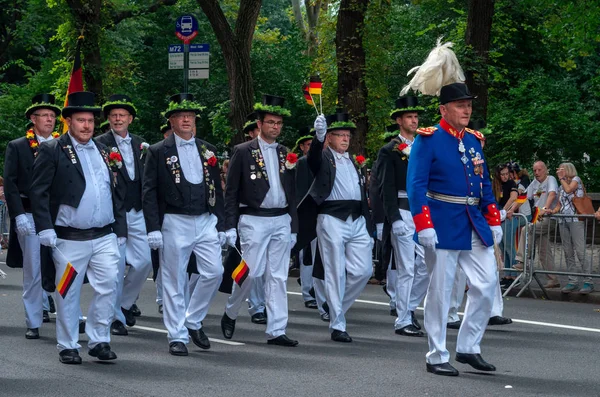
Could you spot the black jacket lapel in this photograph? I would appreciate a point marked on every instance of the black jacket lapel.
(172, 161)
(68, 149)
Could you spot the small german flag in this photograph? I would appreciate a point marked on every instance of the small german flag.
(307, 96)
(240, 273)
(66, 280)
(521, 198)
(535, 215)
(315, 86)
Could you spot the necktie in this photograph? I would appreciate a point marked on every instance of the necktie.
(270, 145)
(126, 141)
(342, 155)
(88, 146)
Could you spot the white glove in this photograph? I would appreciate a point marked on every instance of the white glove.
(497, 232)
(24, 227)
(231, 236)
(222, 239)
(48, 238)
(121, 241)
(320, 127)
(428, 238)
(502, 215)
(400, 228)
(379, 227)
(155, 239)
(293, 239)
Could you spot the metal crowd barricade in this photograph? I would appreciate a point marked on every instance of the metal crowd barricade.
(4, 225)
(551, 256)
(515, 239)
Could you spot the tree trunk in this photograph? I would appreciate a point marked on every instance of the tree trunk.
(298, 15)
(477, 37)
(236, 46)
(350, 53)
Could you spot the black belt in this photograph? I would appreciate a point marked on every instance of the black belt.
(71, 233)
(26, 204)
(268, 212)
(341, 209)
(183, 211)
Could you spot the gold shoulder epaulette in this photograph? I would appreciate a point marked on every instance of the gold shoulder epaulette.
(477, 134)
(426, 131)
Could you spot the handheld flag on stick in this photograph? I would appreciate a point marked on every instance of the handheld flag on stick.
(315, 87)
(68, 276)
(76, 80)
(308, 97)
(240, 273)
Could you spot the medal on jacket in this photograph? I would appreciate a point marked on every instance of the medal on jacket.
(212, 200)
(461, 149)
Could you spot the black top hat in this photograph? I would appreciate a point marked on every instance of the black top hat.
(42, 101)
(272, 104)
(119, 101)
(182, 102)
(476, 125)
(406, 104)
(339, 121)
(454, 92)
(250, 122)
(81, 101)
(165, 127)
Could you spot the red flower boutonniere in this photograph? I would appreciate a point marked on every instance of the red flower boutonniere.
(404, 148)
(360, 161)
(115, 160)
(209, 156)
(290, 161)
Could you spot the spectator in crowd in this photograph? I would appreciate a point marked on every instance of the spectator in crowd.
(224, 173)
(572, 230)
(506, 193)
(543, 191)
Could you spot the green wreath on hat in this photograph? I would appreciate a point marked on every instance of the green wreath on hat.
(104, 123)
(125, 104)
(389, 135)
(184, 105)
(276, 110)
(248, 123)
(340, 125)
(406, 110)
(41, 105)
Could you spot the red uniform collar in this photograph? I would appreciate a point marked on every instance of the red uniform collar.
(451, 130)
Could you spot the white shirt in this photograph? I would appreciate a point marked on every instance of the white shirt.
(346, 185)
(189, 158)
(96, 207)
(124, 145)
(275, 197)
(538, 191)
(41, 139)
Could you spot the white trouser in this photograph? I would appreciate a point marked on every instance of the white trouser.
(391, 277)
(479, 266)
(305, 278)
(159, 288)
(345, 248)
(98, 259)
(265, 243)
(458, 293)
(256, 298)
(33, 295)
(184, 235)
(318, 284)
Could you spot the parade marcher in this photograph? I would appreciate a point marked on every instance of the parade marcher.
(454, 211)
(79, 213)
(104, 127)
(411, 273)
(183, 207)
(260, 193)
(339, 197)
(120, 112)
(24, 245)
(251, 129)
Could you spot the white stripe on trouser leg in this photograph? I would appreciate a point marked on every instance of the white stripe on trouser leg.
(210, 270)
(404, 254)
(346, 254)
(390, 286)
(33, 295)
(457, 296)
(137, 256)
(256, 298)
(200, 239)
(98, 259)
(265, 244)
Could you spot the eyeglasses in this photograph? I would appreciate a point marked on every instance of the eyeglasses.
(119, 115)
(51, 116)
(272, 123)
(185, 115)
(342, 135)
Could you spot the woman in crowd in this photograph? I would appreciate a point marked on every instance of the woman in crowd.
(572, 230)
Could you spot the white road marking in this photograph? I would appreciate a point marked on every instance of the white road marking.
(164, 331)
(515, 320)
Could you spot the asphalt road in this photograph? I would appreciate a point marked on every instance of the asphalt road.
(534, 357)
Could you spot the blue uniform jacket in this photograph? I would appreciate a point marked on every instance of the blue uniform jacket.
(436, 164)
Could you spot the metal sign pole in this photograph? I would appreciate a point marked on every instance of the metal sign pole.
(186, 73)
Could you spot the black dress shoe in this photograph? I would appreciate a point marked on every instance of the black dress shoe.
(117, 328)
(199, 338)
(69, 356)
(81, 326)
(178, 349)
(51, 305)
(227, 326)
(160, 309)
(415, 321)
(32, 333)
(259, 318)
(325, 317)
(135, 310)
(102, 352)
(283, 340)
(444, 369)
(454, 325)
(475, 361)
(311, 304)
(409, 330)
(499, 320)
(393, 312)
(45, 316)
(129, 317)
(340, 336)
